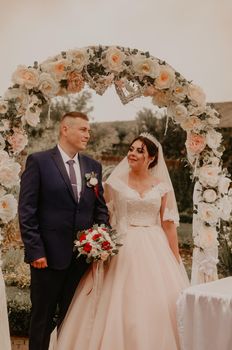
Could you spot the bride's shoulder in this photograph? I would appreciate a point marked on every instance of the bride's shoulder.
(161, 186)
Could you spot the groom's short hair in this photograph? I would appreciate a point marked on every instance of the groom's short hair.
(75, 115)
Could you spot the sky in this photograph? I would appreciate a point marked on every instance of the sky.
(194, 37)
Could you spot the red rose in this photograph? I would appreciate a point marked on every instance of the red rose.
(96, 190)
(90, 230)
(96, 236)
(82, 237)
(87, 247)
(106, 245)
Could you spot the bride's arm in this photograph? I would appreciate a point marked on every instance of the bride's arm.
(109, 202)
(169, 228)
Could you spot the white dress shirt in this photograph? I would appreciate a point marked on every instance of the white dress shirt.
(76, 166)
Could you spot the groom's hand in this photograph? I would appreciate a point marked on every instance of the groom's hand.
(40, 263)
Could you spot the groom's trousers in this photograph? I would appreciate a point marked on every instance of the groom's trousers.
(51, 290)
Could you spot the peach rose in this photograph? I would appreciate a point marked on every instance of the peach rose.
(166, 78)
(161, 98)
(57, 69)
(18, 140)
(195, 143)
(75, 82)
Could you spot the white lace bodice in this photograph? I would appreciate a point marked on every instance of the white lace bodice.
(144, 211)
(128, 208)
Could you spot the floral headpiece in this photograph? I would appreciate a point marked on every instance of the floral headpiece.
(150, 137)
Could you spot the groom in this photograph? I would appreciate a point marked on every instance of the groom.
(54, 203)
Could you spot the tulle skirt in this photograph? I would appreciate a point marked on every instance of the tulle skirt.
(132, 305)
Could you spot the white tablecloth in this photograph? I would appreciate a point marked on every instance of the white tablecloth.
(4, 326)
(205, 316)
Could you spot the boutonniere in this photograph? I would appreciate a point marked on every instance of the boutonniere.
(92, 181)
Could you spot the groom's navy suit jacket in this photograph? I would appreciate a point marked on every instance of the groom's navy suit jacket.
(49, 215)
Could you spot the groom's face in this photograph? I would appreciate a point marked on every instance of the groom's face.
(77, 133)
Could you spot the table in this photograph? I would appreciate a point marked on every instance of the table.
(4, 326)
(204, 315)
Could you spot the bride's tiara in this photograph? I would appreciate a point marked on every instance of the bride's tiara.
(150, 137)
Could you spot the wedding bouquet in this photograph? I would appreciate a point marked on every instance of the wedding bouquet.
(97, 243)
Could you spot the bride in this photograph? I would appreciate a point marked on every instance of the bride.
(134, 306)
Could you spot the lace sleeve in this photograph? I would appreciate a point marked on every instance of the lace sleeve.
(170, 211)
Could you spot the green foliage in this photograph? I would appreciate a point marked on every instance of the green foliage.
(225, 249)
(15, 271)
(19, 309)
(45, 135)
(227, 143)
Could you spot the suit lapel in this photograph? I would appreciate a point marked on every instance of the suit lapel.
(83, 170)
(60, 165)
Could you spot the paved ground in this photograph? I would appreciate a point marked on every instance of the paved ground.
(19, 343)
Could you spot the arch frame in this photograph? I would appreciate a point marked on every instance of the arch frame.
(134, 74)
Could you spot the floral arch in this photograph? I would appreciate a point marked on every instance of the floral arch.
(134, 74)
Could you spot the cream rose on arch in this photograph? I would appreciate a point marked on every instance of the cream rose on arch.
(207, 237)
(208, 213)
(47, 85)
(9, 173)
(145, 66)
(179, 112)
(79, 58)
(209, 195)
(114, 59)
(209, 175)
(223, 184)
(26, 76)
(8, 208)
(18, 140)
(3, 106)
(196, 95)
(213, 139)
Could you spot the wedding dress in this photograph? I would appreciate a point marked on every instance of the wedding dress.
(4, 326)
(133, 306)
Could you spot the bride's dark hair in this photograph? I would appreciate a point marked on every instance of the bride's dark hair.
(152, 149)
